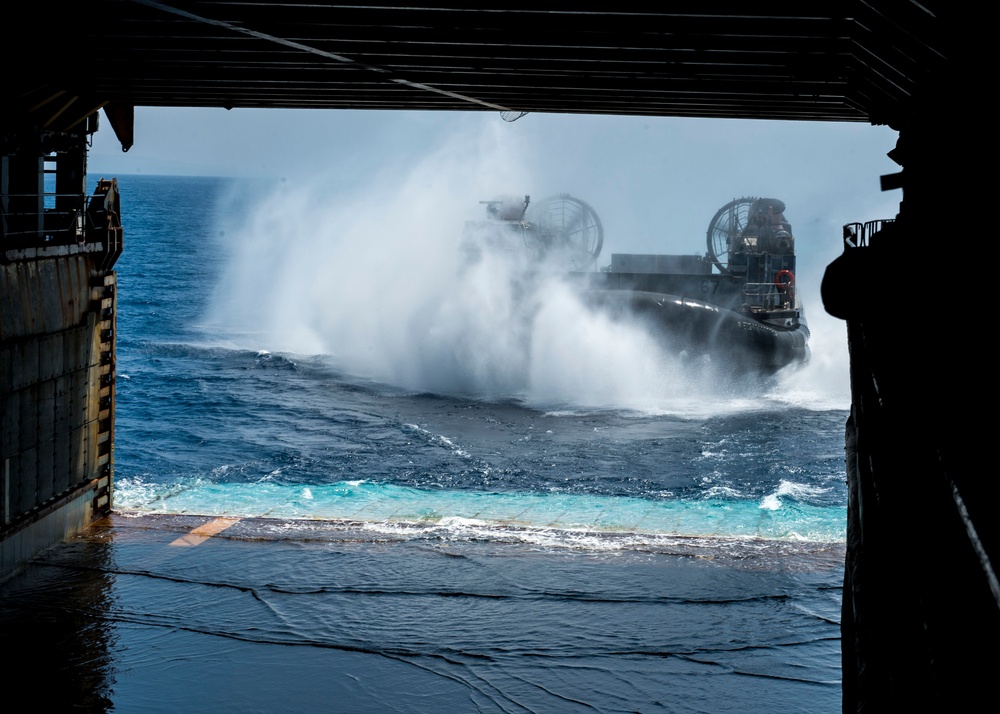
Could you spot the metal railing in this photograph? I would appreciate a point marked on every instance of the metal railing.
(856, 235)
(769, 296)
(47, 219)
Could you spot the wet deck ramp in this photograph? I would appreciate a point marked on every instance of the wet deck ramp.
(186, 613)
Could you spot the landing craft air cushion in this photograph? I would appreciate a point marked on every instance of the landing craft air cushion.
(736, 307)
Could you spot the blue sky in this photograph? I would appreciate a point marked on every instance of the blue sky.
(655, 182)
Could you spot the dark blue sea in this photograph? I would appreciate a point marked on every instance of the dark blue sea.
(538, 509)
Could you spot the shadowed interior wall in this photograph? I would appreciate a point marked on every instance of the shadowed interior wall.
(57, 318)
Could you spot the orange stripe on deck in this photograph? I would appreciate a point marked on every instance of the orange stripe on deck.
(205, 531)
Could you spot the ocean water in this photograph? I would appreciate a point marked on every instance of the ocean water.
(625, 531)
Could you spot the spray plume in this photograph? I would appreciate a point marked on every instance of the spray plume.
(372, 274)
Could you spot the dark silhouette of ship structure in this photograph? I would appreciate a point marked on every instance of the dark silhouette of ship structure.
(736, 306)
(921, 596)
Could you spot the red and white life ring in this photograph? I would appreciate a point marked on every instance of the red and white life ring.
(783, 274)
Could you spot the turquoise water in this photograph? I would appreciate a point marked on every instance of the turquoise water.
(776, 517)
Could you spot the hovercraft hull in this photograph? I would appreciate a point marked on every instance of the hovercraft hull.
(701, 329)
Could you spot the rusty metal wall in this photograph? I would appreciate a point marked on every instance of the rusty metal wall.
(57, 373)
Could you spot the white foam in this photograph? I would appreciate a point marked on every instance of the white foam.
(770, 502)
(799, 491)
